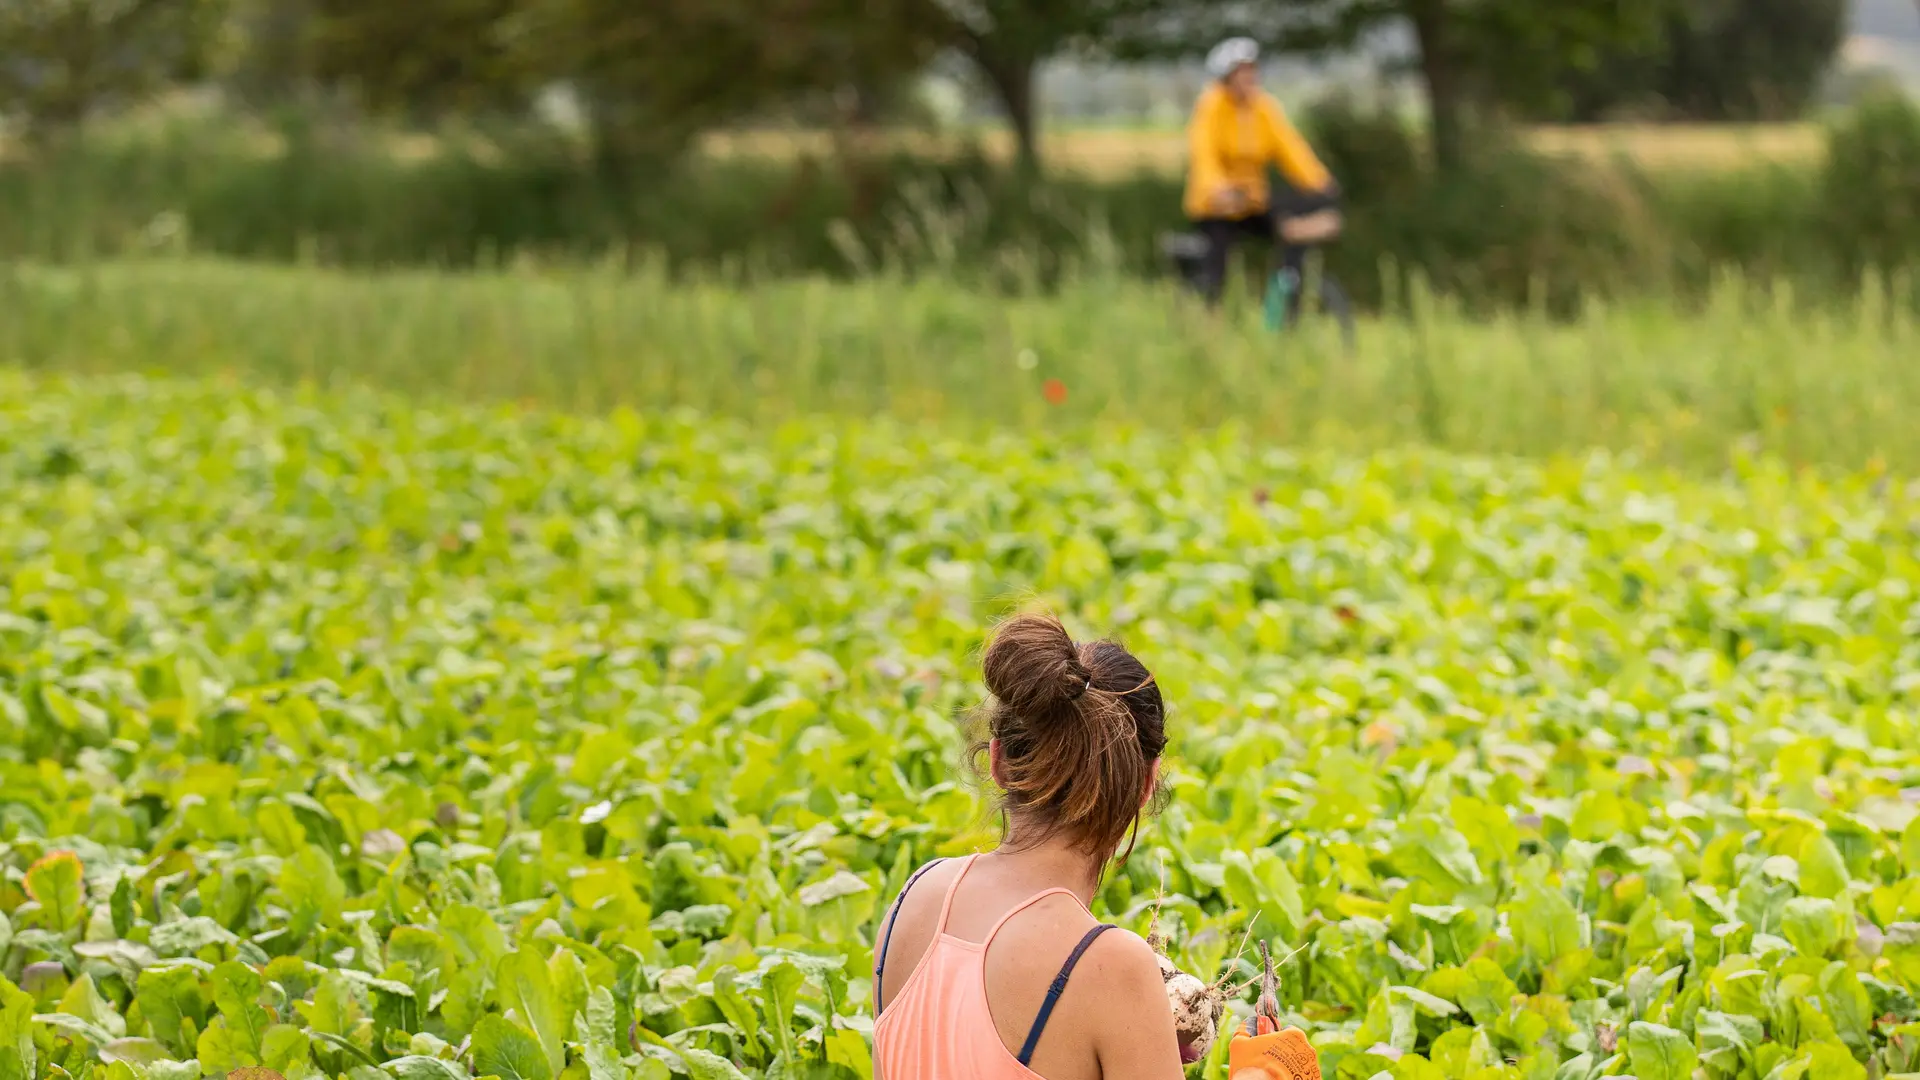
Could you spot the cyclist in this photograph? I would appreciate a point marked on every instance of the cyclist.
(1237, 131)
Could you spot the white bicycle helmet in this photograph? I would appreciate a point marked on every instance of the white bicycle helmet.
(1229, 55)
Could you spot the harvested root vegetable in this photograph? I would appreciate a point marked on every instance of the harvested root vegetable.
(1197, 1009)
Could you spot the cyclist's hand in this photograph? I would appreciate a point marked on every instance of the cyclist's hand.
(1229, 200)
(1271, 1055)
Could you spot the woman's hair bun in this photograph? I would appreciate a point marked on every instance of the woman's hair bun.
(1034, 667)
(1079, 728)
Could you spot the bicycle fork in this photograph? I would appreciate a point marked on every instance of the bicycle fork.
(1282, 286)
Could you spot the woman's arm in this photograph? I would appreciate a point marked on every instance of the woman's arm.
(1136, 1040)
(1207, 171)
(1294, 157)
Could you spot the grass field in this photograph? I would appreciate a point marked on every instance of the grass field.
(1825, 385)
(397, 681)
(1102, 152)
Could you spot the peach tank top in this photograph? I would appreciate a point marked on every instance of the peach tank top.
(940, 1027)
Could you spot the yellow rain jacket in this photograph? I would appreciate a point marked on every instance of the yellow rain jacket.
(1231, 145)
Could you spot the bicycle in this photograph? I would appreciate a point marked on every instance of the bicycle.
(1321, 294)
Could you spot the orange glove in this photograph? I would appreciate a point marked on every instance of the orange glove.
(1271, 1055)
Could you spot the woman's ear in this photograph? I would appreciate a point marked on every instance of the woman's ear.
(1153, 783)
(996, 761)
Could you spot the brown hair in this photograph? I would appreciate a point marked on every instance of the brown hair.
(1080, 728)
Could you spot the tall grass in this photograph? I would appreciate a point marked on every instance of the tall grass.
(1750, 367)
(1513, 228)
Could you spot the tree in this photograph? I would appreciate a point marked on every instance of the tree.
(1469, 53)
(63, 60)
(649, 76)
(1718, 60)
(1007, 40)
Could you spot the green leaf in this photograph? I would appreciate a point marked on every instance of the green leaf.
(734, 1005)
(1480, 987)
(284, 1046)
(139, 1051)
(170, 999)
(186, 937)
(781, 985)
(704, 1066)
(1545, 924)
(504, 1049)
(1813, 925)
(236, 993)
(526, 987)
(1823, 872)
(1831, 1061)
(76, 1028)
(222, 1050)
(1719, 1030)
(55, 883)
(1659, 1053)
(419, 1067)
(122, 907)
(847, 1050)
(84, 1001)
(475, 936)
(19, 1058)
(1263, 883)
(600, 1030)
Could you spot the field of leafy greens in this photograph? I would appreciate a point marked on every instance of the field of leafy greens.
(350, 737)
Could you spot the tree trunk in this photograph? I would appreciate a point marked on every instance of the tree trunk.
(1012, 79)
(1439, 69)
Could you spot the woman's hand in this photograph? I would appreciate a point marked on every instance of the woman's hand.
(1271, 1055)
(1229, 201)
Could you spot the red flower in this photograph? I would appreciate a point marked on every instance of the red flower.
(1055, 391)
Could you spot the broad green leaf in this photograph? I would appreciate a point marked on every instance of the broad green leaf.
(705, 1066)
(283, 1047)
(781, 985)
(1823, 871)
(1659, 1053)
(504, 1049)
(186, 937)
(221, 1049)
(734, 1005)
(83, 1000)
(599, 1030)
(1831, 1061)
(1545, 924)
(55, 884)
(332, 1010)
(418, 1067)
(1813, 925)
(526, 987)
(170, 999)
(236, 993)
(122, 905)
(847, 1050)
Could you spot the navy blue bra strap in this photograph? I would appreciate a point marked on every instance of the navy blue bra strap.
(1053, 992)
(886, 942)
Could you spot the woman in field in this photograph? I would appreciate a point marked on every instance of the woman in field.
(991, 967)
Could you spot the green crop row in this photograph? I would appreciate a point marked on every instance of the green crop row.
(355, 738)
